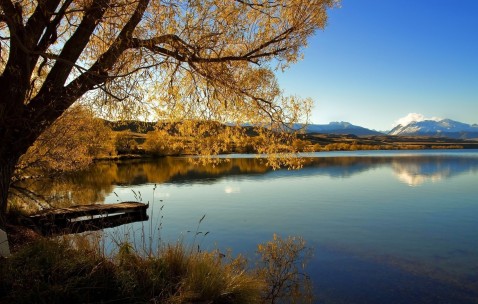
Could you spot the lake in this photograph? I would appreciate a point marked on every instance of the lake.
(386, 226)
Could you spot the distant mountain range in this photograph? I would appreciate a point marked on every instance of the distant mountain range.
(441, 128)
(433, 128)
(341, 128)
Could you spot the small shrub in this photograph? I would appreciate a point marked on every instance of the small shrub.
(209, 278)
(281, 265)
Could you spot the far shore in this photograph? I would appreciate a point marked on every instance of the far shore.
(328, 143)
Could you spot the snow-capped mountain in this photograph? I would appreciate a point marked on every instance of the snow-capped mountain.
(341, 128)
(440, 128)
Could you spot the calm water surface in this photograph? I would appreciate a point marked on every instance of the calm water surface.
(387, 227)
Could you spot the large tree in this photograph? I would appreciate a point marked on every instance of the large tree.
(213, 58)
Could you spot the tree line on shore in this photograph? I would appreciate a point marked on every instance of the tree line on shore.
(78, 138)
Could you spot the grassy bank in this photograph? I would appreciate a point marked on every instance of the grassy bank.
(75, 270)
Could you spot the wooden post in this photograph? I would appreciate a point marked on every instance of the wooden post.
(4, 247)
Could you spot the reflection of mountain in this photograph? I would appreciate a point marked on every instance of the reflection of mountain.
(413, 179)
(415, 171)
(94, 184)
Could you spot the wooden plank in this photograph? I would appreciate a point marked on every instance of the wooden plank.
(90, 210)
(51, 229)
(81, 218)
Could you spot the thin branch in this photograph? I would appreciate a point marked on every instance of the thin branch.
(74, 46)
(39, 20)
(98, 71)
(51, 35)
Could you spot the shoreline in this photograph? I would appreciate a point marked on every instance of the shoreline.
(441, 146)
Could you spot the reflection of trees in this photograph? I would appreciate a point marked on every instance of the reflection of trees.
(84, 187)
(183, 169)
(98, 181)
(92, 185)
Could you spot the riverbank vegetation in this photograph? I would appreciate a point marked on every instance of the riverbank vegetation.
(211, 138)
(77, 270)
(78, 138)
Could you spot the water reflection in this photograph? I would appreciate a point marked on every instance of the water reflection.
(370, 231)
(232, 189)
(94, 184)
(415, 171)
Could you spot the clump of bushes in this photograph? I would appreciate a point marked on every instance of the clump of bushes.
(48, 271)
(56, 271)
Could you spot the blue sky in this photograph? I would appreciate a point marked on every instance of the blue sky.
(379, 60)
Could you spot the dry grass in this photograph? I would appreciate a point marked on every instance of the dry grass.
(79, 269)
(54, 271)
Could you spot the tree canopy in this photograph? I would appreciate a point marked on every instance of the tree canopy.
(212, 59)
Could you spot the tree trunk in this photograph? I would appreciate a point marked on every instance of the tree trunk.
(18, 131)
(7, 167)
